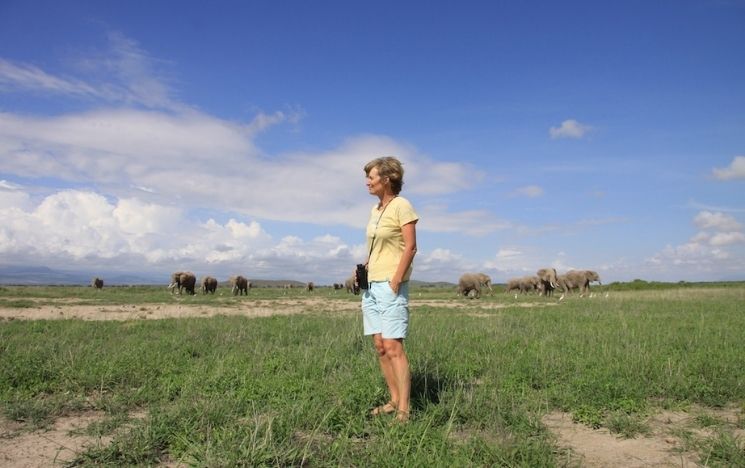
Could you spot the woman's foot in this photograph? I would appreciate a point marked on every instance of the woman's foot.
(387, 408)
(402, 416)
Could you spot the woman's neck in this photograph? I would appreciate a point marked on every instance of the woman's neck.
(385, 200)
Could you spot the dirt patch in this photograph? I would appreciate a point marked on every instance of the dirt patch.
(663, 446)
(58, 444)
(161, 311)
(259, 308)
(55, 445)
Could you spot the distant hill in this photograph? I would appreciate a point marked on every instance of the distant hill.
(40, 275)
(32, 275)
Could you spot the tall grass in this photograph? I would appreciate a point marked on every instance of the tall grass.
(297, 390)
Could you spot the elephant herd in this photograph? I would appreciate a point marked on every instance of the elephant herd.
(186, 281)
(544, 282)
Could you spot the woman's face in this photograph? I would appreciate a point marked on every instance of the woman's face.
(375, 183)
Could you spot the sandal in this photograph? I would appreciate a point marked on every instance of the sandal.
(387, 408)
(402, 416)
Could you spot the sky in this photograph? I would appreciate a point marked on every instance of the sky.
(230, 137)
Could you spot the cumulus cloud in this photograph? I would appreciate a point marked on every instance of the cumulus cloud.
(713, 250)
(569, 129)
(727, 238)
(88, 230)
(717, 221)
(736, 170)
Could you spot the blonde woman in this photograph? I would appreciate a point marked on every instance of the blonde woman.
(391, 243)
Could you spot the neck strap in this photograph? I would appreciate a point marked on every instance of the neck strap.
(372, 242)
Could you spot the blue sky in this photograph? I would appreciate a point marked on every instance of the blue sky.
(230, 137)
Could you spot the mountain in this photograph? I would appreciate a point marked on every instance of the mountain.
(39, 275)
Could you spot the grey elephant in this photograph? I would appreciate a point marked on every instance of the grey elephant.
(351, 285)
(183, 280)
(485, 281)
(469, 282)
(512, 285)
(209, 285)
(578, 279)
(239, 285)
(97, 283)
(524, 284)
(547, 281)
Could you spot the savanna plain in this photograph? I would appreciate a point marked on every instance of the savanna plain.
(637, 375)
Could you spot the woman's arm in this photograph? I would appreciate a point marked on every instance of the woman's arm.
(408, 231)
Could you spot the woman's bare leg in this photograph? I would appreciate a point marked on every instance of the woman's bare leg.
(401, 378)
(386, 368)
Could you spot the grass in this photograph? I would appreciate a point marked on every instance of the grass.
(296, 390)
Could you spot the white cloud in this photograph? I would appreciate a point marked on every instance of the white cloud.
(704, 254)
(727, 238)
(717, 221)
(736, 170)
(197, 160)
(437, 218)
(441, 265)
(569, 129)
(508, 253)
(123, 74)
(20, 77)
(85, 229)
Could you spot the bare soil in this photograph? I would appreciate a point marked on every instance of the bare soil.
(668, 444)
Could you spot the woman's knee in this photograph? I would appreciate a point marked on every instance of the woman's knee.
(378, 344)
(392, 348)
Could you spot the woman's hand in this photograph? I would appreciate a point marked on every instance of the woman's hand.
(395, 285)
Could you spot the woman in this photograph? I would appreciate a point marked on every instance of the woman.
(391, 243)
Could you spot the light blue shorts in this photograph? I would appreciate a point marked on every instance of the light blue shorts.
(384, 312)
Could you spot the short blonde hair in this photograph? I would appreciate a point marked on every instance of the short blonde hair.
(391, 168)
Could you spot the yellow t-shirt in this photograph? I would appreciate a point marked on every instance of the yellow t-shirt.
(389, 240)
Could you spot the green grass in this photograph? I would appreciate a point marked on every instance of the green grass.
(296, 390)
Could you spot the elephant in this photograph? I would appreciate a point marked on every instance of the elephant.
(239, 285)
(578, 279)
(97, 283)
(547, 278)
(524, 284)
(470, 282)
(209, 285)
(183, 280)
(485, 281)
(351, 285)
